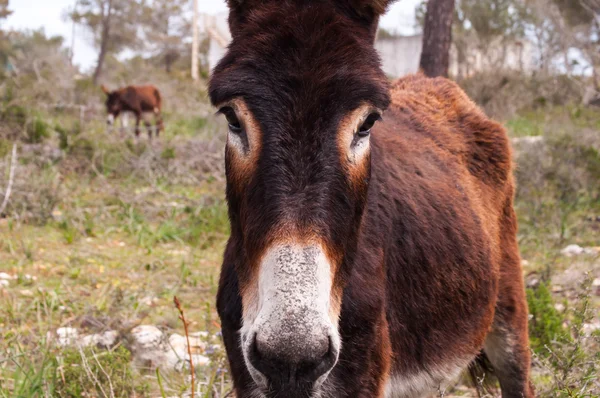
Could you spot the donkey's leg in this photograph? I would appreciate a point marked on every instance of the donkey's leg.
(158, 121)
(507, 344)
(137, 125)
(149, 128)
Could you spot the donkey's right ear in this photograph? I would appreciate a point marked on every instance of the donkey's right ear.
(239, 10)
(105, 90)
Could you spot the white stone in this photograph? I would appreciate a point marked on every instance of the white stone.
(148, 337)
(576, 250)
(149, 346)
(66, 336)
(101, 340)
(7, 277)
(178, 357)
(4, 283)
(589, 328)
(528, 139)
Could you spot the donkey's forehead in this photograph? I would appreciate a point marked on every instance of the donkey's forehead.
(298, 59)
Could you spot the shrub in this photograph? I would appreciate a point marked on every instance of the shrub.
(36, 131)
(546, 323)
(100, 373)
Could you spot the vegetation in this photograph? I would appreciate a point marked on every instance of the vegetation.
(101, 230)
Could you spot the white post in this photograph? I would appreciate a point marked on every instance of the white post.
(195, 43)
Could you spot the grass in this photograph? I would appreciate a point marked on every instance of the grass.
(129, 225)
(105, 236)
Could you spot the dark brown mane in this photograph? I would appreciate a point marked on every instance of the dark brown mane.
(367, 258)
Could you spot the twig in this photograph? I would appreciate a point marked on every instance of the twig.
(11, 178)
(88, 371)
(187, 337)
(112, 390)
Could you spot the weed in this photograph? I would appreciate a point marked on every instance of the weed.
(104, 373)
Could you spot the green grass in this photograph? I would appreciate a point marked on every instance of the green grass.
(109, 233)
(109, 249)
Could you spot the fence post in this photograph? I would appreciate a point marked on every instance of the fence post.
(81, 115)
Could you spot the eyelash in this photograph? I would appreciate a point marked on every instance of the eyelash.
(234, 123)
(365, 129)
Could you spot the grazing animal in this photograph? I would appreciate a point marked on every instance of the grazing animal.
(138, 100)
(367, 257)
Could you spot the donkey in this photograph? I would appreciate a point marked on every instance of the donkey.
(373, 246)
(138, 100)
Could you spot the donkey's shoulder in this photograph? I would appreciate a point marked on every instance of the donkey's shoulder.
(440, 109)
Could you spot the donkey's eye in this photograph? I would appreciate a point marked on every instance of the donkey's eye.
(234, 123)
(368, 124)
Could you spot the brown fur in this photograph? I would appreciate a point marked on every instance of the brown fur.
(138, 100)
(422, 235)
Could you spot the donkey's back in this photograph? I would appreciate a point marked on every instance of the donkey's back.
(442, 201)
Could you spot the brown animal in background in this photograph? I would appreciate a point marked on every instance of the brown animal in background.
(367, 257)
(138, 100)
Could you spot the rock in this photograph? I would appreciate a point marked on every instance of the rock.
(596, 287)
(150, 301)
(559, 307)
(148, 337)
(6, 277)
(589, 328)
(576, 250)
(179, 343)
(101, 340)
(532, 282)
(528, 139)
(4, 283)
(149, 346)
(557, 289)
(178, 357)
(66, 336)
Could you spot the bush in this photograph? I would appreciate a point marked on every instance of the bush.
(36, 131)
(503, 94)
(557, 183)
(546, 322)
(567, 358)
(88, 372)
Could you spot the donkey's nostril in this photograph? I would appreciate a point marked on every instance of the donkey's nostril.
(290, 365)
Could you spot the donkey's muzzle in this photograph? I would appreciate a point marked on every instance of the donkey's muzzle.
(294, 365)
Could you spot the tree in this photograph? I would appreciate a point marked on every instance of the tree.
(4, 44)
(166, 25)
(4, 11)
(113, 23)
(437, 38)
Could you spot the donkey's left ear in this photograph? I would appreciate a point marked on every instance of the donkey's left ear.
(370, 7)
(365, 12)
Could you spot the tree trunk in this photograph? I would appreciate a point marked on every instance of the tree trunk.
(105, 37)
(437, 38)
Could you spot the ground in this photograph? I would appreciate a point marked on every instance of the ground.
(102, 231)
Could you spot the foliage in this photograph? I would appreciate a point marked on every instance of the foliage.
(4, 11)
(103, 373)
(113, 24)
(546, 322)
(568, 356)
(165, 23)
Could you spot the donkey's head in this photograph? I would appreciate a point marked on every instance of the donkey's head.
(113, 104)
(301, 88)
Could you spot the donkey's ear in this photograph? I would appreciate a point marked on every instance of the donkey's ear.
(368, 8)
(104, 89)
